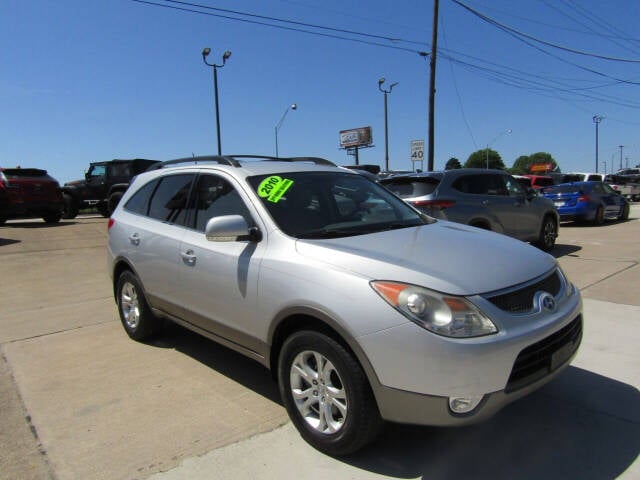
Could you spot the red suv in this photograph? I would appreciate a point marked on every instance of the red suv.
(29, 192)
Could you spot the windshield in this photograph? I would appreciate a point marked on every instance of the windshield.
(331, 204)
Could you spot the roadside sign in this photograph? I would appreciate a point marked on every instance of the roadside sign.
(417, 150)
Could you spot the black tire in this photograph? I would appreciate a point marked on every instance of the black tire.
(114, 199)
(103, 210)
(3, 220)
(350, 427)
(624, 215)
(599, 218)
(69, 207)
(135, 314)
(52, 217)
(548, 233)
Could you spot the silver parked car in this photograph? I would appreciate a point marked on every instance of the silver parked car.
(489, 199)
(363, 308)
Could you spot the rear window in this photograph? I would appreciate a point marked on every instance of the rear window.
(411, 186)
(24, 172)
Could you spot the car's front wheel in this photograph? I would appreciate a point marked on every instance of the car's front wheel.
(327, 394)
(548, 233)
(598, 219)
(69, 207)
(52, 217)
(135, 314)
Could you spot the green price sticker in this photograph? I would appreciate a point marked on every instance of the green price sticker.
(274, 187)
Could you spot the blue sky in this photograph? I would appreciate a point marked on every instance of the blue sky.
(90, 80)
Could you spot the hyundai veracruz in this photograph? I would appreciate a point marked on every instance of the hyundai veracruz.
(365, 309)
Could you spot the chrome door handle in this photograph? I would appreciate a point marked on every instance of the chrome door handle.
(188, 257)
(135, 239)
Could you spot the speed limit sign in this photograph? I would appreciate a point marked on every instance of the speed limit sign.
(417, 150)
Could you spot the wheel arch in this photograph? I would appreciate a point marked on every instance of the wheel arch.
(304, 318)
(121, 265)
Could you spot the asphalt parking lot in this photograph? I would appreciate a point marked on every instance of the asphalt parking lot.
(79, 400)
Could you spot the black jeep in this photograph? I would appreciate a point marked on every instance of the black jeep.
(103, 186)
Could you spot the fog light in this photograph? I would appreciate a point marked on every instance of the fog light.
(464, 404)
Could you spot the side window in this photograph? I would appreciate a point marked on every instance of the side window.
(169, 201)
(139, 202)
(513, 187)
(97, 171)
(119, 170)
(481, 185)
(214, 197)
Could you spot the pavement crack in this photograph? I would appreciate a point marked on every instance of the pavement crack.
(633, 265)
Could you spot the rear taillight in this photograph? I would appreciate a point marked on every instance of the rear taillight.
(437, 204)
(583, 198)
(110, 224)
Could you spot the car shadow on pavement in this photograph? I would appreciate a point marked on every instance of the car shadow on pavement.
(581, 425)
(229, 363)
(39, 224)
(561, 250)
(8, 241)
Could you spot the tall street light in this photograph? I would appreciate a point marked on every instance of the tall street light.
(293, 106)
(621, 147)
(386, 121)
(506, 132)
(225, 57)
(597, 119)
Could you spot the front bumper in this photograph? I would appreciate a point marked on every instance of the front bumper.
(409, 407)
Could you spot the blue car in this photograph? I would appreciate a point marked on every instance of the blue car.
(588, 201)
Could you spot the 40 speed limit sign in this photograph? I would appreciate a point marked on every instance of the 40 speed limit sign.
(417, 150)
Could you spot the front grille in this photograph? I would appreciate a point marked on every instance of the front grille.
(543, 357)
(521, 301)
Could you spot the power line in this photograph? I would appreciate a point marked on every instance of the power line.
(539, 40)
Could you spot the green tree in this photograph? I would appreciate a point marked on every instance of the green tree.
(523, 163)
(478, 159)
(452, 164)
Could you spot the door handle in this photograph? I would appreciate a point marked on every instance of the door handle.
(188, 257)
(134, 239)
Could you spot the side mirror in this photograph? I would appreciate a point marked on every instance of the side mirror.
(230, 228)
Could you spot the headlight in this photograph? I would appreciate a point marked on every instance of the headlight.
(445, 315)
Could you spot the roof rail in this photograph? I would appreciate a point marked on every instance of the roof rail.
(233, 160)
(222, 160)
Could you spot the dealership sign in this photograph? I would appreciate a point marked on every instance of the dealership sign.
(541, 167)
(356, 137)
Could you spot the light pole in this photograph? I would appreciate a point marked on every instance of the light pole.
(506, 132)
(621, 147)
(386, 121)
(597, 119)
(225, 56)
(293, 106)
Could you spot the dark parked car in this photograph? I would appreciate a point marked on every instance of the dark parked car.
(27, 193)
(489, 199)
(588, 201)
(103, 186)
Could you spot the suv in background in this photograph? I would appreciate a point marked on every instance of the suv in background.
(363, 308)
(489, 199)
(102, 187)
(27, 193)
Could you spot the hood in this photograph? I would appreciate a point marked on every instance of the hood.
(443, 256)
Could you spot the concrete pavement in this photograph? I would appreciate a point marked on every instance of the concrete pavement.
(81, 400)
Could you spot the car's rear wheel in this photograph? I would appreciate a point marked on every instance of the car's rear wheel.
(327, 394)
(3, 220)
(114, 199)
(599, 217)
(135, 314)
(624, 214)
(548, 233)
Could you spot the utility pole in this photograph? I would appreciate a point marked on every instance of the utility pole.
(597, 119)
(432, 84)
(621, 147)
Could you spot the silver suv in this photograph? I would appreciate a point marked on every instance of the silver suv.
(489, 199)
(363, 308)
